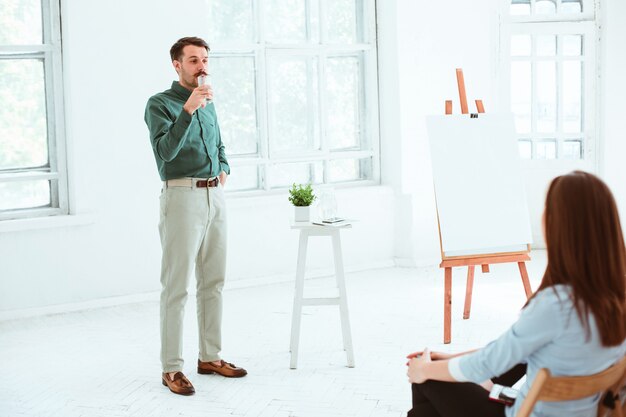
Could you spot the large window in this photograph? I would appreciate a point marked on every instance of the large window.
(552, 77)
(32, 164)
(295, 86)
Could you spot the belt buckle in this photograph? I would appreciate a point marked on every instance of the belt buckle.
(207, 181)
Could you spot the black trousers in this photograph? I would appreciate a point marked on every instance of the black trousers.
(460, 399)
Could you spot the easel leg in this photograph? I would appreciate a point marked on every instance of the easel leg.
(447, 305)
(297, 300)
(525, 281)
(468, 292)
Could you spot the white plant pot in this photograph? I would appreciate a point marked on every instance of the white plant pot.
(303, 214)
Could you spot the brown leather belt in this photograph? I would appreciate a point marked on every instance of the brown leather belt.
(207, 183)
(193, 182)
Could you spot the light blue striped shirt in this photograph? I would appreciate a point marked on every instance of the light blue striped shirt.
(548, 334)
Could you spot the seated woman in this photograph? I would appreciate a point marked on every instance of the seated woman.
(575, 324)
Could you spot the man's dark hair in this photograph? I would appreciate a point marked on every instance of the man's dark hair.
(176, 51)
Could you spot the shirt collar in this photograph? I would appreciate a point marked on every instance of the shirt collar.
(180, 90)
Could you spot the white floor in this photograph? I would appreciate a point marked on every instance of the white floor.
(104, 362)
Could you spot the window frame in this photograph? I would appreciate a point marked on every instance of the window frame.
(585, 24)
(50, 52)
(263, 50)
(588, 14)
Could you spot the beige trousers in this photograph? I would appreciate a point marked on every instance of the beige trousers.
(193, 235)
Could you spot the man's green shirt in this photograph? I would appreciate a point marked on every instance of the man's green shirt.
(184, 145)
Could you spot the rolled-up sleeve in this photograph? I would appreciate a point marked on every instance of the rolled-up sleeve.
(535, 328)
(454, 368)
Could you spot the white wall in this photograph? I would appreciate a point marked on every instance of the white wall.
(613, 92)
(428, 44)
(116, 55)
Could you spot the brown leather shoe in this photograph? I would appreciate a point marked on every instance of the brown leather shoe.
(178, 384)
(226, 369)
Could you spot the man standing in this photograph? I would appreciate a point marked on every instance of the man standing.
(191, 161)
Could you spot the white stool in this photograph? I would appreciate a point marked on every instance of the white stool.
(308, 229)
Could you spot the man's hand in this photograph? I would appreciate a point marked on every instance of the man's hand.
(198, 98)
(418, 367)
(223, 177)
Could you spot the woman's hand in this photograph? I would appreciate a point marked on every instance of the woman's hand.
(418, 367)
(436, 356)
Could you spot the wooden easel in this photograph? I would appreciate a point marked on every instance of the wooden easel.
(484, 260)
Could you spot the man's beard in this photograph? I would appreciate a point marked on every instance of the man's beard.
(190, 79)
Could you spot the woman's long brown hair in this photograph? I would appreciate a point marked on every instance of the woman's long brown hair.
(586, 251)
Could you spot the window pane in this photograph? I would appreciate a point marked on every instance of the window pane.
(545, 7)
(520, 45)
(343, 92)
(546, 149)
(520, 95)
(314, 20)
(546, 45)
(341, 170)
(572, 96)
(230, 20)
(23, 131)
(284, 175)
(285, 21)
(293, 98)
(243, 178)
(525, 148)
(572, 149)
(20, 22)
(571, 6)
(546, 96)
(572, 45)
(341, 21)
(520, 7)
(232, 79)
(24, 194)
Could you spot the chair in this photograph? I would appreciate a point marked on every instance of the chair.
(546, 387)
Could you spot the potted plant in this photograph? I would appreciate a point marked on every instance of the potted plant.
(302, 197)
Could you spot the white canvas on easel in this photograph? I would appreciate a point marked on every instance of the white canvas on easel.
(481, 199)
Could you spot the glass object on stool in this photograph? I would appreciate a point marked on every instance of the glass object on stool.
(328, 204)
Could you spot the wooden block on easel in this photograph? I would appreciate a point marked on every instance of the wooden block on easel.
(461, 85)
(479, 106)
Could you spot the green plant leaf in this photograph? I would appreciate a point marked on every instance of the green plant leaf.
(301, 196)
